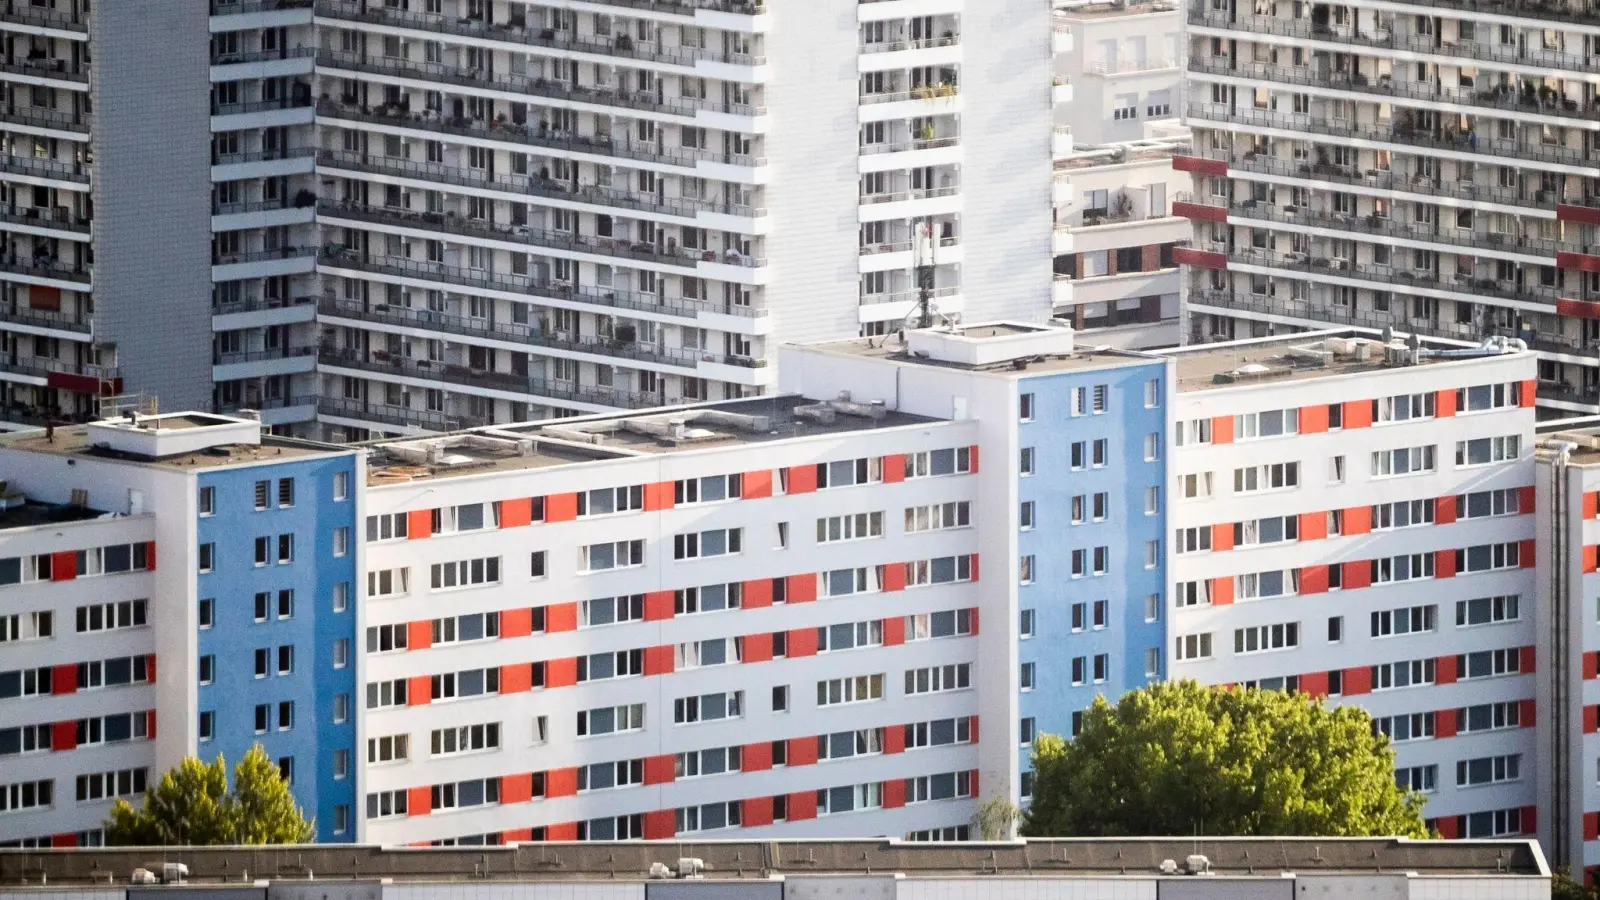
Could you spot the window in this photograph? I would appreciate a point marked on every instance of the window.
(1192, 431)
(606, 501)
(1152, 447)
(341, 653)
(1025, 677)
(461, 629)
(1488, 396)
(208, 669)
(1262, 638)
(1404, 514)
(928, 626)
(388, 582)
(938, 516)
(1485, 451)
(1025, 515)
(708, 598)
(1274, 530)
(1488, 770)
(1152, 393)
(1193, 593)
(1271, 477)
(850, 528)
(1192, 646)
(27, 795)
(710, 652)
(1493, 823)
(465, 573)
(708, 490)
(341, 486)
(1101, 392)
(341, 708)
(1101, 453)
(944, 570)
(25, 683)
(341, 541)
(208, 557)
(611, 611)
(848, 744)
(286, 715)
(610, 720)
(1489, 557)
(122, 670)
(1489, 717)
(286, 604)
(1080, 401)
(1152, 607)
(285, 492)
(386, 804)
(1336, 470)
(1080, 453)
(1404, 461)
(462, 794)
(716, 542)
(383, 694)
(1399, 729)
(1263, 585)
(850, 636)
(1192, 540)
(207, 727)
(103, 617)
(867, 470)
(386, 638)
(1410, 673)
(462, 739)
(466, 683)
(263, 494)
(1152, 662)
(1489, 663)
(1026, 407)
(709, 817)
(103, 785)
(1406, 620)
(1271, 423)
(1195, 486)
(1485, 504)
(285, 659)
(389, 748)
(1025, 461)
(208, 501)
(341, 764)
(1152, 500)
(711, 707)
(206, 615)
(617, 555)
(845, 582)
(1423, 779)
(934, 679)
(938, 733)
(1487, 610)
(833, 801)
(1402, 408)
(1408, 567)
(387, 527)
(1102, 666)
(931, 463)
(780, 698)
(285, 549)
(1026, 623)
(538, 564)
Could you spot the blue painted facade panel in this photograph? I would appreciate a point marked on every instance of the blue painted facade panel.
(304, 619)
(1125, 529)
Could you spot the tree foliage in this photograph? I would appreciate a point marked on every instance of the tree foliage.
(192, 805)
(1176, 758)
(1564, 887)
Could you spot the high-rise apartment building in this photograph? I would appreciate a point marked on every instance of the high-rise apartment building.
(1422, 165)
(432, 214)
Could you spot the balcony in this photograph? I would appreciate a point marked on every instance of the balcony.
(47, 268)
(60, 373)
(453, 278)
(1342, 37)
(529, 335)
(263, 263)
(381, 363)
(1393, 278)
(1320, 312)
(1402, 227)
(1547, 102)
(43, 67)
(531, 186)
(291, 104)
(241, 7)
(952, 40)
(48, 119)
(78, 323)
(1581, 12)
(622, 46)
(501, 131)
(1398, 181)
(1131, 67)
(403, 417)
(34, 167)
(943, 91)
(690, 7)
(1393, 131)
(45, 219)
(523, 85)
(594, 245)
(235, 358)
(22, 12)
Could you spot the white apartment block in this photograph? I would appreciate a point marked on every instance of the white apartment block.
(532, 208)
(1321, 498)
(1116, 274)
(1422, 165)
(1124, 61)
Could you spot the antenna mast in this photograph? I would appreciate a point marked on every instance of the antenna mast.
(923, 246)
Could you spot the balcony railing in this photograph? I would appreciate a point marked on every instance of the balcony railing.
(529, 334)
(253, 256)
(903, 296)
(1399, 181)
(37, 117)
(924, 92)
(448, 374)
(903, 146)
(1130, 66)
(258, 304)
(398, 416)
(949, 40)
(44, 67)
(914, 194)
(903, 246)
(58, 219)
(1503, 99)
(219, 358)
(1384, 39)
(284, 52)
(439, 73)
(623, 46)
(530, 185)
(230, 8)
(45, 268)
(689, 7)
(233, 159)
(255, 106)
(44, 318)
(1584, 12)
(40, 367)
(1392, 131)
(250, 206)
(454, 278)
(1398, 226)
(23, 12)
(533, 136)
(1389, 278)
(77, 173)
(667, 255)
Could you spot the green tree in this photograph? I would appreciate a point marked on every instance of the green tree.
(192, 805)
(1564, 887)
(1176, 758)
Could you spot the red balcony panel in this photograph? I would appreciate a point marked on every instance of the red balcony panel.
(1202, 259)
(658, 495)
(802, 479)
(561, 507)
(660, 825)
(516, 788)
(1587, 215)
(659, 605)
(63, 736)
(64, 679)
(83, 384)
(419, 635)
(1199, 165)
(64, 841)
(1444, 670)
(1199, 212)
(660, 769)
(758, 648)
(419, 801)
(1591, 665)
(1581, 262)
(1577, 309)
(516, 513)
(1314, 684)
(419, 690)
(1591, 826)
(1444, 510)
(756, 757)
(756, 485)
(64, 566)
(1314, 419)
(894, 468)
(757, 812)
(560, 783)
(757, 594)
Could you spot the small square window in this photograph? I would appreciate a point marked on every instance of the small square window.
(780, 698)
(1026, 621)
(285, 659)
(341, 653)
(1025, 732)
(1152, 393)
(341, 764)
(539, 569)
(263, 606)
(341, 818)
(263, 717)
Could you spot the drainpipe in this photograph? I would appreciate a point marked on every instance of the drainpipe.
(1559, 591)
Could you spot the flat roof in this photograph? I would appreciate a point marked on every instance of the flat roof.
(31, 513)
(73, 440)
(887, 348)
(1061, 858)
(1098, 158)
(611, 436)
(1296, 357)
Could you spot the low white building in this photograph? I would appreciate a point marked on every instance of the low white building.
(1123, 60)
